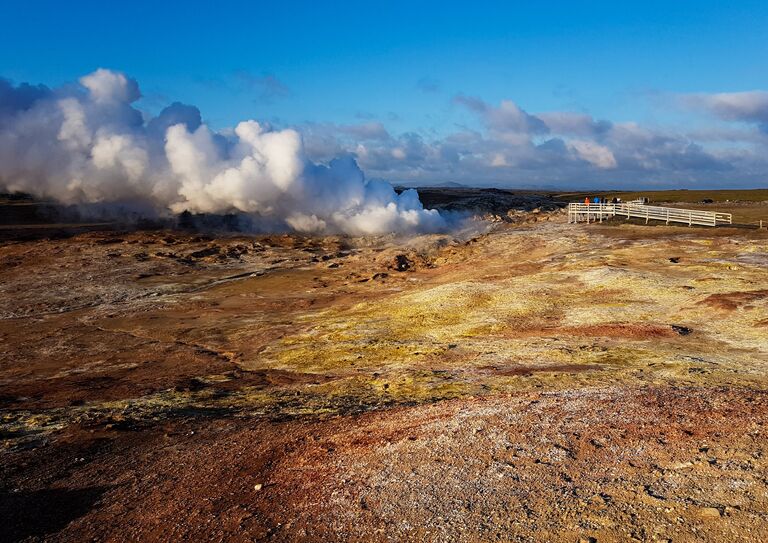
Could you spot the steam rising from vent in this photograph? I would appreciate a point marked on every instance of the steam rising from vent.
(88, 144)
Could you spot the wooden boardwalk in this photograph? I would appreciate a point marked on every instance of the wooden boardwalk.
(580, 212)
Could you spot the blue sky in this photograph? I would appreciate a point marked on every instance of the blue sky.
(403, 67)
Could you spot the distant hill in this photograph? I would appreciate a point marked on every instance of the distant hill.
(448, 185)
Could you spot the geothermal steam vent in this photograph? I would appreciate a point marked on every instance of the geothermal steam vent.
(89, 144)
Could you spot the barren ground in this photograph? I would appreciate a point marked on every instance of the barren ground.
(540, 382)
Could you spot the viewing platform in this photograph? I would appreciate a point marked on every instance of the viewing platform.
(637, 209)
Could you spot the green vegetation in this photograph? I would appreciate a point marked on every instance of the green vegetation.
(693, 196)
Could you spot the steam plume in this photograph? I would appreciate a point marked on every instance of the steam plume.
(87, 143)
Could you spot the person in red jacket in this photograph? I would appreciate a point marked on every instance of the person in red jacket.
(586, 200)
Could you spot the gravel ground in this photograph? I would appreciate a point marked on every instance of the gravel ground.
(539, 382)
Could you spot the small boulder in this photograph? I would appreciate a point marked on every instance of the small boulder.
(709, 512)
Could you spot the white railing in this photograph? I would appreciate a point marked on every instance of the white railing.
(597, 212)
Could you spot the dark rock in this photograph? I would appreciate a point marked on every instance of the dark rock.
(202, 253)
(403, 263)
(675, 259)
(193, 385)
(234, 253)
(682, 330)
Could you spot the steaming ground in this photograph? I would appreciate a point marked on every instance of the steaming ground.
(540, 381)
(88, 144)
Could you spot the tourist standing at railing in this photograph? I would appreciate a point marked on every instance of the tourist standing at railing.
(586, 201)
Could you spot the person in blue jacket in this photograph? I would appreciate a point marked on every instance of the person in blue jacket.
(596, 200)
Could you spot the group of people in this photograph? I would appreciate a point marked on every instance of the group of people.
(603, 200)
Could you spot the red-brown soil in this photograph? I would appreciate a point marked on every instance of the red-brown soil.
(611, 464)
(731, 301)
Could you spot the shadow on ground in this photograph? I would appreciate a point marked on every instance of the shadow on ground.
(41, 512)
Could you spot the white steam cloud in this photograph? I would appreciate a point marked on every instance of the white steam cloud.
(88, 144)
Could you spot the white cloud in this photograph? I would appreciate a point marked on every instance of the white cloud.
(108, 86)
(90, 144)
(748, 106)
(570, 123)
(506, 117)
(595, 154)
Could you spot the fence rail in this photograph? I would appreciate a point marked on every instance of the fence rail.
(578, 212)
